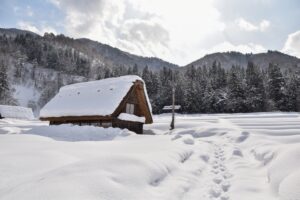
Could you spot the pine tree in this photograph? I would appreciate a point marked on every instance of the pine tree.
(296, 78)
(276, 87)
(52, 60)
(236, 93)
(194, 90)
(5, 95)
(155, 98)
(255, 95)
(107, 73)
(135, 70)
(213, 74)
(129, 71)
(208, 99)
(148, 79)
(221, 74)
(165, 88)
(292, 90)
(59, 80)
(3, 81)
(291, 94)
(179, 89)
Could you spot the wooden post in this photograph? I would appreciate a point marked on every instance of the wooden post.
(172, 126)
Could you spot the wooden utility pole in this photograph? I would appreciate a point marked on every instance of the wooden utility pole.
(172, 126)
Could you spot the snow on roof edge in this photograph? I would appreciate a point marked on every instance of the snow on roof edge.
(147, 98)
(133, 78)
(131, 117)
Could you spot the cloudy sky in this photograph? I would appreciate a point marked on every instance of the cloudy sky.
(179, 31)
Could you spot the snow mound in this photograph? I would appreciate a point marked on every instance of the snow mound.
(237, 152)
(130, 117)
(135, 167)
(69, 132)
(196, 133)
(263, 153)
(290, 187)
(284, 174)
(244, 136)
(100, 97)
(188, 139)
(16, 112)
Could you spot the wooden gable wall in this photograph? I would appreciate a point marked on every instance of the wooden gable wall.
(136, 96)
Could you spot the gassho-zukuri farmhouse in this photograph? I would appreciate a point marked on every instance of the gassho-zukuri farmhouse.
(113, 102)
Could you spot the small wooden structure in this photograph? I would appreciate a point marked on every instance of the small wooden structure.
(168, 109)
(115, 96)
(16, 112)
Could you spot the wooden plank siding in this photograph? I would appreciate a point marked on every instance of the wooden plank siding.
(132, 126)
(116, 123)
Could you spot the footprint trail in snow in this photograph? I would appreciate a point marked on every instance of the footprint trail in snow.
(221, 176)
(214, 180)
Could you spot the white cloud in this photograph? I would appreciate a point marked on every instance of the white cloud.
(16, 9)
(29, 11)
(245, 25)
(292, 44)
(109, 21)
(177, 31)
(167, 29)
(30, 27)
(243, 48)
(20, 11)
(248, 26)
(264, 25)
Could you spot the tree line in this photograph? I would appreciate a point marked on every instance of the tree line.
(212, 89)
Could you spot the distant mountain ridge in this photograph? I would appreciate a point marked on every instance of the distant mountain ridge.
(110, 56)
(104, 54)
(15, 31)
(228, 59)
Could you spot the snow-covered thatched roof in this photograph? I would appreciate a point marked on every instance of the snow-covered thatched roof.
(93, 98)
(17, 112)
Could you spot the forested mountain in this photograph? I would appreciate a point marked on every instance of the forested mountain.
(33, 68)
(97, 53)
(37, 66)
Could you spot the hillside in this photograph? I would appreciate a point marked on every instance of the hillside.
(102, 54)
(37, 66)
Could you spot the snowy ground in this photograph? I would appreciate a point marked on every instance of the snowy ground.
(240, 156)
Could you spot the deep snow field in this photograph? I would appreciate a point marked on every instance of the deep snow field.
(239, 157)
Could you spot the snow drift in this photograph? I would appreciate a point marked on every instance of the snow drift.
(68, 132)
(238, 156)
